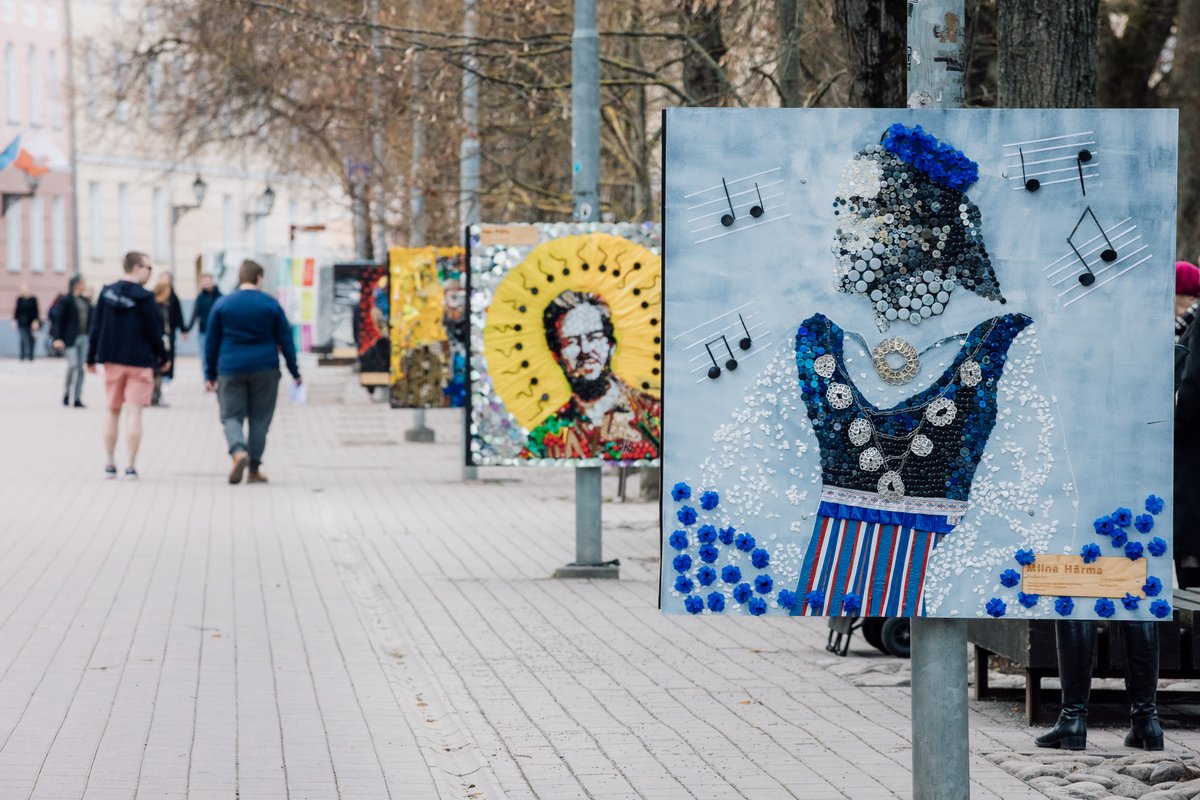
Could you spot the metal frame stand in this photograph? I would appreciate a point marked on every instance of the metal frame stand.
(419, 432)
(589, 548)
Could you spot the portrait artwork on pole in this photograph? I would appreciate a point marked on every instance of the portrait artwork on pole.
(918, 363)
(428, 327)
(566, 345)
(343, 313)
(371, 327)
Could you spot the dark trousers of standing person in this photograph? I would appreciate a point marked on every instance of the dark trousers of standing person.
(248, 397)
(1076, 645)
(26, 333)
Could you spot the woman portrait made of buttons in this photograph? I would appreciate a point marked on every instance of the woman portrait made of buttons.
(913, 443)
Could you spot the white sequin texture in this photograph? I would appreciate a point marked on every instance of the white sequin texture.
(824, 366)
(970, 373)
(921, 445)
(860, 432)
(870, 460)
(941, 412)
(839, 395)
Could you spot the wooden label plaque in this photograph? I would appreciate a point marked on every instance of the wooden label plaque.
(1068, 576)
(510, 235)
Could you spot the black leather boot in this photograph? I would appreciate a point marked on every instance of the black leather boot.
(1076, 643)
(1141, 684)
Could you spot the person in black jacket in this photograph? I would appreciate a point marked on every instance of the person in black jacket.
(126, 336)
(205, 300)
(172, 320)
(1187, 426)
(69, 334)
(27, 320)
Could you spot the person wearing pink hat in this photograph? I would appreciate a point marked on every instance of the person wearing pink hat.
(1187, 425)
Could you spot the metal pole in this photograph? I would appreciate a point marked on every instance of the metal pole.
(941, 749)
(585, 170)
(469, 212)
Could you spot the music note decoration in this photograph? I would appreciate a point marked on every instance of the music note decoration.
(1107, 255)
(736, 204)
(1066, 158)
(709, 338)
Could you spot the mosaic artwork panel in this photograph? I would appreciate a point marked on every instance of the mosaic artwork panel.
(428, 327)
(371, 329)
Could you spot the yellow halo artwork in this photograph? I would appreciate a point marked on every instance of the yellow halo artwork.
(627, 276)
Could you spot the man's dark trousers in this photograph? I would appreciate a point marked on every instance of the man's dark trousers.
(248, 396)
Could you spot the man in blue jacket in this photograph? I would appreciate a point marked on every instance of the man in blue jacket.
(246, 332)
(125, 334)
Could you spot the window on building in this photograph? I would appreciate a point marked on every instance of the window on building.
(160, 224)
(228, 219)
(13, 223)
(33, 74)
(58, 234)
(124, 224)
(8, 11)
(56, 117)
(12, 102)
(95, 222)
(37, 233)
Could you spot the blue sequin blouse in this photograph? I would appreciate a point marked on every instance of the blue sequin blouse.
(927, 446)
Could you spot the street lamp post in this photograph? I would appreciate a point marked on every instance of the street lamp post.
(266, 201)
(10, 199)
(199, 188)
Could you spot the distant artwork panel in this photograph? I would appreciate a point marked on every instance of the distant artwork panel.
(428, 327)
(371, 326)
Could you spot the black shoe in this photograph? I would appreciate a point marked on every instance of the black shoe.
(131, 473)
(1141, 683)
(66, 401)
(1076, 640)
(110, 471)
(79, 404)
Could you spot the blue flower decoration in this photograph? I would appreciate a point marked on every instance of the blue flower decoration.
(757, 606)
(686, 515)
(745, 542)
(716, 602)
(1154, 504)
(945, 165)
(680, 491)
(1123, 517)
(1025, 557)
(708, 553)
(1027, 600)
(1105, 526)
(706, 534)
(1133, 550)
(1152, 586)
(1144, 523)
(1156, 546)
(760, 558)
(679, 540)
(786, 598)
(1064, 606)
(709, 500)
(726, 535)
(851, 604)
(706, 575)
(682, 562)
(1105, 608)
(763, 584)
(1160, 608)
(683, 584)
(815, 599)
(693, 604)
(1010, 578)
(1130, 602)
(731, 574)
(996, 607)
(1120, 538)
(1090, 552)
(742, 592)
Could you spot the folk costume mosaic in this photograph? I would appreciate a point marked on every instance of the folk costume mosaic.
(427, 337)
(954, 420)
(566, 348)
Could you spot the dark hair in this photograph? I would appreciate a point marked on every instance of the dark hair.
(134, 259)
(566, 301)
(71, 284)
(249, 272)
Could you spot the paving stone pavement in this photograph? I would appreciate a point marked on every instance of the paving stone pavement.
(369, 626)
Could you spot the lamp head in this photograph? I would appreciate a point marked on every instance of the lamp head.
(199, 187)
(267, 201)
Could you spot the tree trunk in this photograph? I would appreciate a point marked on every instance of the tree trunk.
(702, 81)
(1185, 93)
(1048, 53)
(789, 16)
(1127, 61)
(874, 33)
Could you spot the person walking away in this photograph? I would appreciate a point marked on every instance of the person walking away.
(1187, 425)
(172, 320)
(205, 300)
(69, 335)
(27, 320)
(246, 332)
(126, 336)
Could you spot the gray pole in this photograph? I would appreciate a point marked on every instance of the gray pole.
(585, 170)
(941, 752)
(469, 163)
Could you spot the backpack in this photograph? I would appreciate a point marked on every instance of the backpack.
(55, 310)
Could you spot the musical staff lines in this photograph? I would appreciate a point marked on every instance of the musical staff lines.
(1070, 273)
(725, 342)
(735, 205)
(1068, 158)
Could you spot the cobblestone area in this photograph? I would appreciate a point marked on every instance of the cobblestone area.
(369, 626)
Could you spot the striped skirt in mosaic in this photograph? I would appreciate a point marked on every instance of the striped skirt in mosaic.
(864, 569)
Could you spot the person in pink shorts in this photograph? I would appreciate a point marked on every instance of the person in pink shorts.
(126, 336)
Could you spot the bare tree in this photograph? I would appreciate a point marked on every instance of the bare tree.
(1048, 53)
(873, 33)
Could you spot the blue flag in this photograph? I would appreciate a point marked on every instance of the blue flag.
(8, 154)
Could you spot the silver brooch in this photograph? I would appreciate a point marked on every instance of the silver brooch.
(860, 432)
(839, 395)
(870, 459)
(897, 346)
(970, 373)
(891, 485)
(941, 412)
(921, 445)
(824, 366)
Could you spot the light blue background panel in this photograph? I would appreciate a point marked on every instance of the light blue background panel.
(1084, 403)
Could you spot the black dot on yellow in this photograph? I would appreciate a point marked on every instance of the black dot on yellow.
(637, 265)
(602, 268)
(521, 309)
(520, 346)
(549, 279)
(654, 371)
(545, 397)
(637, 292)
(658, 340)
(645, 304)
(585, 266)
(616, 273)
(533, 290)
(566, 270)
(658, 356)
(533, 381)
(524, 364)
(645, 385)
(516, 327)
(653, 320)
